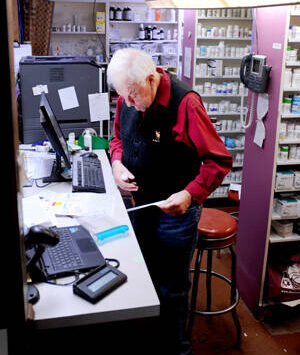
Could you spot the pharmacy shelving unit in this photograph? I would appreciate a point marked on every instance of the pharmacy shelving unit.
(257, 241)
(164, 50)
(117, 34)
(66, 41)
(211, 28)
(288, 137)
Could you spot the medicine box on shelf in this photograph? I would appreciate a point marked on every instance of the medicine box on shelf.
(285, 180)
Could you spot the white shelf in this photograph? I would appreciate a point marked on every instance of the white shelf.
(292, 64)
(218, 77)
(224, 114)
(216, 57)
(237, 149)
(230, 132)
(77, 33)
(226, 18)
(288, 162)
(290, 115)
(144, 22)
(223, 95)
(277, 217)
(287, 190)
(291, 89)
(294, 41)
(289, 141)
(144, 41)
(275, 238)
(224, 38)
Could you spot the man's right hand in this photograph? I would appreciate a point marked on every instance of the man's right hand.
(123, 176)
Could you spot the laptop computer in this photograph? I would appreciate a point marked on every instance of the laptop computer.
(75, 252)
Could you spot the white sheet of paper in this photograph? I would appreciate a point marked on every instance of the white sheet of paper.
(34, 212)
(68, 98)
(262, 110)
(99, 107)
(187, 62)
(260, 133)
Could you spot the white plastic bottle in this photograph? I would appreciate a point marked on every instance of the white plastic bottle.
(88, 141)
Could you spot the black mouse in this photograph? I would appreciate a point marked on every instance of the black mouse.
(89, 155)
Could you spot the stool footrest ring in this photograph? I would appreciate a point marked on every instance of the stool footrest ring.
(222, 311)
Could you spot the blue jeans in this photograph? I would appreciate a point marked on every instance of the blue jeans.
(168, 243)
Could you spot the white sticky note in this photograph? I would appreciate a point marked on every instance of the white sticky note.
(68, 98)
(187, 62)
(38, 89)
(99, 107)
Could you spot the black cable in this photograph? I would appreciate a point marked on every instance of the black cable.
(64, 284)
(40, 186)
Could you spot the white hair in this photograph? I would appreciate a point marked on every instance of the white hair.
(129, 65)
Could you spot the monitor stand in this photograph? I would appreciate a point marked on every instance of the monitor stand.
(56, 173)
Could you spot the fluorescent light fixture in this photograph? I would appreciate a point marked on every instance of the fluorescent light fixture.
(216, 4)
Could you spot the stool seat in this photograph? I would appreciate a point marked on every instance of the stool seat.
(215, 224)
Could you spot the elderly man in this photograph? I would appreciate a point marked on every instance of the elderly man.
(164, 148)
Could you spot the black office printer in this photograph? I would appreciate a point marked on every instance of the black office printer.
(38, 73)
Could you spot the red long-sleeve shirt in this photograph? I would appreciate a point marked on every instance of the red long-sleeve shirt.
(193, 125)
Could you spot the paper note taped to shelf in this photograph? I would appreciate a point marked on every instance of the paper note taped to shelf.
(99, 107)
(68, 98)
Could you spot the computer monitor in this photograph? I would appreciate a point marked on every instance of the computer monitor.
(57, 140)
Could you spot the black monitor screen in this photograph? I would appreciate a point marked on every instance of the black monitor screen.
(53, 131)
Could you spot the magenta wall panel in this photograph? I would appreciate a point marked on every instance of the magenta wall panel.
(269, 35)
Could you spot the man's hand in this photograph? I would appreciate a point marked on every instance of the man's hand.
(177, 203)
(123, 176)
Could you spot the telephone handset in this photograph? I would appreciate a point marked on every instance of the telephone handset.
(255, 73)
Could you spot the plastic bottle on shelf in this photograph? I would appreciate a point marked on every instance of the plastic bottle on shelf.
(162, 34)
(155, 33)
(118, 14)
(87, 141)
(141, 32)
(112, 11)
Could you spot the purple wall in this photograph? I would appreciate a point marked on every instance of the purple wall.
(258, 163)
(189, 41)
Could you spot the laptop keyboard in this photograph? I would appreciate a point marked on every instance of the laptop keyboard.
(62, 255)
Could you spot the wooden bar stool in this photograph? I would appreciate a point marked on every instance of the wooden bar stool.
(216, 231)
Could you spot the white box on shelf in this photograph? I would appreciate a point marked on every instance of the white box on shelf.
(284, 180)
(296, 179)
(287, 207)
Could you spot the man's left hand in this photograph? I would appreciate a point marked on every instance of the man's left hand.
(177, 203)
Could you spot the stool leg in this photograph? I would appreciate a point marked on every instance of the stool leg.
(208, 280)
(233, 297)
(194, 289)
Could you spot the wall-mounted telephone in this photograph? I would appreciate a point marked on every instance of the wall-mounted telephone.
(255, 73)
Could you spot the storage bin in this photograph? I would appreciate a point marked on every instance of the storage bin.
(169, 61)
(283, 228)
